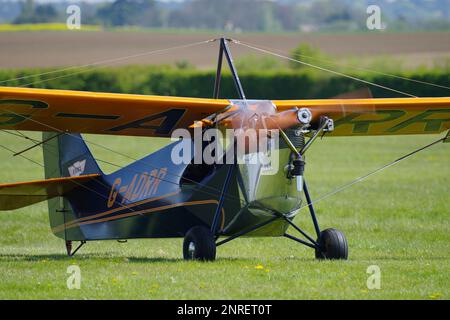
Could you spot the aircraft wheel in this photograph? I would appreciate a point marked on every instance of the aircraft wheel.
(333, 245)
(199, 244)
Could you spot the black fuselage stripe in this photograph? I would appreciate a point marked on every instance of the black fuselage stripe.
(87, 116)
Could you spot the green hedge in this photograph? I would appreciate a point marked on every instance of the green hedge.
(194, 83)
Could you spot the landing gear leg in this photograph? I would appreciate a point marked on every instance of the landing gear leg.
(331, 243)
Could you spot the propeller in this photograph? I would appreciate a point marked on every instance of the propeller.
(265, 115)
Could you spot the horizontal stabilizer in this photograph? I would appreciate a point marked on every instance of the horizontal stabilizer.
(22, 194)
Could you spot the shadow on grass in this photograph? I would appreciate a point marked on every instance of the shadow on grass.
(64, 257)
(106, 258)
(134, 259)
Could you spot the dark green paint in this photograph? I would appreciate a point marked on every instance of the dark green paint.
(362, 126)
(431, 125)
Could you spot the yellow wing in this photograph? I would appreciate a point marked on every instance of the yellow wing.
(139, 115)
(22, 194)
(104, 113)
(379, 116)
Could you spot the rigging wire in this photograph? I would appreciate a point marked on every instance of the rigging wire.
(364, 177)
(214, 190)
(128, 206)
(101, 63)
(56, 170)
(20, 135)
(351, 67)
(73, 181)
(322, 68)
(29, 159)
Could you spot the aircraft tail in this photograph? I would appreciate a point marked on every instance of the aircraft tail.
(66, 155)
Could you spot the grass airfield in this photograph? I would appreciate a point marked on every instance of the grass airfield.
(397, 220)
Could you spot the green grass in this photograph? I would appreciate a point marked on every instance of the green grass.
(398, 220)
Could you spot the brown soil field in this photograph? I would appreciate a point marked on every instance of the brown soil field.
(50, 49)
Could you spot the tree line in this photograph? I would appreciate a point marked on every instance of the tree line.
(242, 15)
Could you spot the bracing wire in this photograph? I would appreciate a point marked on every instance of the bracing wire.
(101, 63)
(29, 159)
(366, 176)
(351, 67)
(214, 191)
(322, 68)
(75, 182)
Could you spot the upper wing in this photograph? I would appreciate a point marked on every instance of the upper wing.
(379, 116)
(22, 194)
(104, 113)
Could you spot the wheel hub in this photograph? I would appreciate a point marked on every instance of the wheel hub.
(191, 249)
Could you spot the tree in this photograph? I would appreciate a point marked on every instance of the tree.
(32, 13)
(128, 12)
(307, 53)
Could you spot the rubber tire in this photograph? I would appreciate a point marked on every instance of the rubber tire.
(205, 244)
(334, 245)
